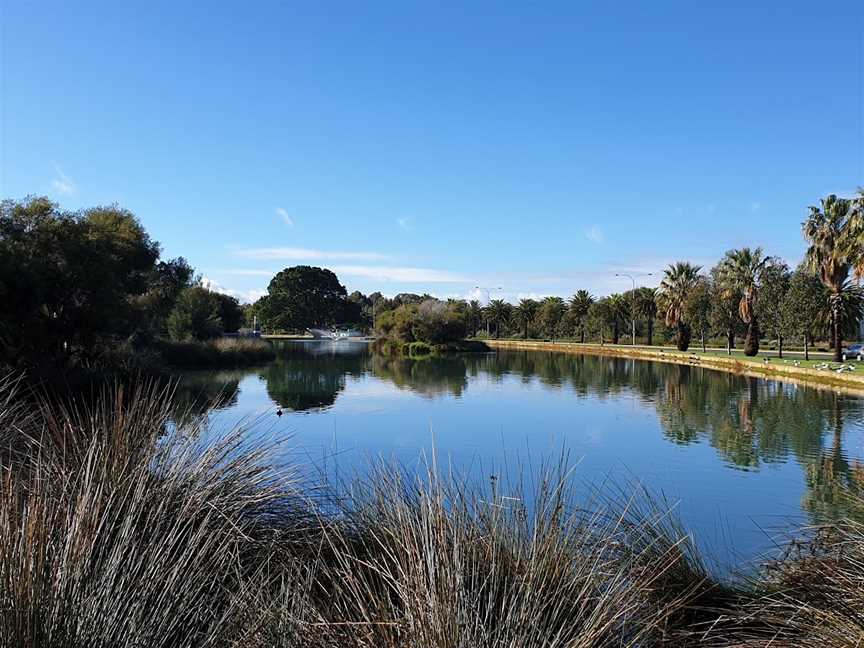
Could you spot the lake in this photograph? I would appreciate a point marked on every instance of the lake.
(742, 459)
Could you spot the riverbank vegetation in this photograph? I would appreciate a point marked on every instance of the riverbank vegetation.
(117, 529)
(87, 292)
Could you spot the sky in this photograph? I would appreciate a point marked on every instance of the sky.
(469, 149)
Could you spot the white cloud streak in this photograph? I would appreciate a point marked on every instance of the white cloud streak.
(594, 234)
(406, 275)
(244, 296)
(286, 218)
(62, 184)
(406, 223)
(304, 254)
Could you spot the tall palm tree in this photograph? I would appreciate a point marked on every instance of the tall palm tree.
(741, 271)
(679, 279)
(524, 313)
(474, 315)
(619, 307)
(646, 308)
(833, 232)
(498, 312)
(579, 305)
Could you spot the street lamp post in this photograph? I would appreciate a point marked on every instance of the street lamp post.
(632, 304)
(489, 294)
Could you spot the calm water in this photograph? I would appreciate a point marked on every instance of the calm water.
(742, 458)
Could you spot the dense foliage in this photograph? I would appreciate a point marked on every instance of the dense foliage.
(84, 288)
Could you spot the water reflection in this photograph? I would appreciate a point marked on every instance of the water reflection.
(749, 423)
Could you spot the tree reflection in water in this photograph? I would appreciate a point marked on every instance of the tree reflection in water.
(748, 421)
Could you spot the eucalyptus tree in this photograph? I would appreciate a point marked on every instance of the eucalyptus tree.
(833, 233)
(579, 305)
(741, 271)
(724, 311)
(802, 306)
(524, 313)
(699, 305)
(498, 312)
(772, 292)
(679, 280)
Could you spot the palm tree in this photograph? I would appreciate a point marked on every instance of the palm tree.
(498, 312)
(646, 308)
(833, 232)
(619, 308)
(741, 271)
(474, 315)
(524, 314)
(579, 305)
(679, 279)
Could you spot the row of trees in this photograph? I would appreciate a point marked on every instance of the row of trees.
(77, 286)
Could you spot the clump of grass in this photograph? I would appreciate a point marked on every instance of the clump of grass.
(119, 527)
(123, 536)
(222, 352)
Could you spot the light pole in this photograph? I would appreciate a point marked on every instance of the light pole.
(489, 294)
(633, 303)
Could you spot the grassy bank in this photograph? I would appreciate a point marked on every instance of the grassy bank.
(847, 376)
(220, 353)
(112, 533)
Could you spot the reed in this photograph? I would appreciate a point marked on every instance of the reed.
(120, 528)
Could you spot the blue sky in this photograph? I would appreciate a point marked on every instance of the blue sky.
(429, 146)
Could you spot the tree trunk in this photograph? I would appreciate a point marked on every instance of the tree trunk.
(751, 342)
(806, 347)
(615, 334)
(838, 339)
(582, 334)
(525, 337)
(650, 331)
(703, 342)
(779, 346)
(683, 337)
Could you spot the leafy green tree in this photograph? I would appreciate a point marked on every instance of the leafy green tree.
(699, 304)
(741, 271)
(524, 313)
(772, 292)
(196, 315)
(231, 314)
(302, 297)
(724, 313)
(69, 282)
(549, 315)
(580, 304)
(679, 279)
(833, 234)
(802, 306)
(600, 318)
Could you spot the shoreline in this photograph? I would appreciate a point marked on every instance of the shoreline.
(847, 382)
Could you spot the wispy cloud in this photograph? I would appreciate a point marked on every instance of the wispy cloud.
(406, 223)
(243, 272)
(594, 234)
(244, 296)
(305, 254)
(407, 275)
(286, 218)
(62, 184)
(755, 206)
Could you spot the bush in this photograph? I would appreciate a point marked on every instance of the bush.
(223, 352)
(196, 316)
(432, 322)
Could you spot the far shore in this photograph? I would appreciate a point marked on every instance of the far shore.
(763, 366)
